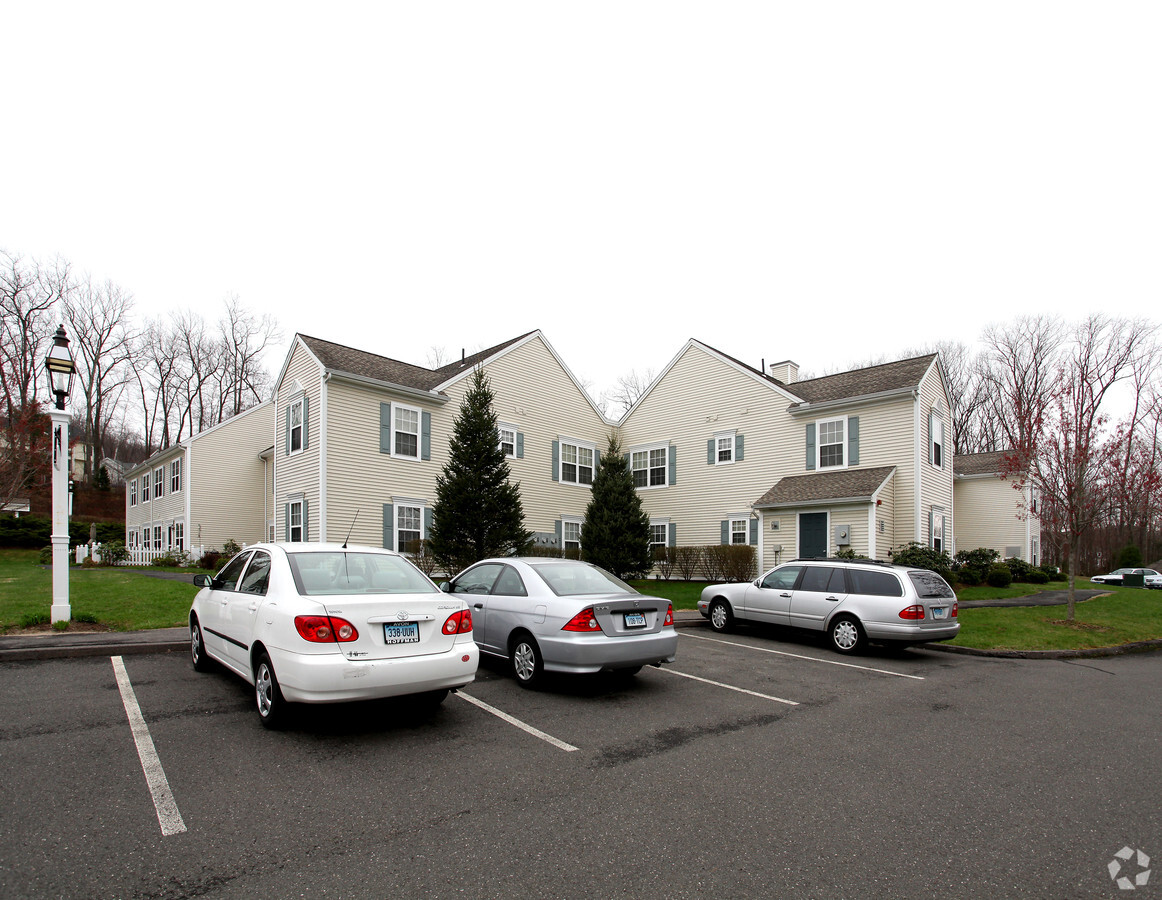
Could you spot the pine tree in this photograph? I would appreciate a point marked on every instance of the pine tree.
(478, 510)
(616, 531)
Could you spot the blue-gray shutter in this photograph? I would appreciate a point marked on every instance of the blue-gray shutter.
(428, 515)
(738, 448)
(853, 441)
(306, 407)
(725, 531)
(306, 519)
(287, 432)
(559, 531)
(520, 445)
(711, 455)
(672, 460)
(425, 435)
(389, 526)
(811, 446)
(596, 461)
(754, 532)
(385, 428)
(930, 517)
(557, 466)
(673, 542)
(286, 522)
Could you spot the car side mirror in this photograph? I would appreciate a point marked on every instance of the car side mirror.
(446, 587)
(203, 581)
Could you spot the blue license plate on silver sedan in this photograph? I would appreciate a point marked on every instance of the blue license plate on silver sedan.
(939, 612)
(401, 632)
(635, 620)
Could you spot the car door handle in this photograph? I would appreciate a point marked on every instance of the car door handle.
(253, 606)
(784, 594)
(478, 606)
(833, 599)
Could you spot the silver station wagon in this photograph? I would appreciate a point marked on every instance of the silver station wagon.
(853, 601)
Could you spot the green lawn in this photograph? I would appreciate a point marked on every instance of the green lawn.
(122, 599)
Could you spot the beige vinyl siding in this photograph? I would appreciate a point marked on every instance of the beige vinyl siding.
(989, 513)
(299, 473)
(171, 507)
(225, 480)
(935, 483)
(784, 537)
(886, 513)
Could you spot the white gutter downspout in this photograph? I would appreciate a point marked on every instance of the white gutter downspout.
(919, 478)
(187, 474)
(323, 456)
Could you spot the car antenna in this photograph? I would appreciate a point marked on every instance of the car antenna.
(349, 530)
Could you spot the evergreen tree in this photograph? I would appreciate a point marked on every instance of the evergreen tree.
(478, 510)
(616, 531)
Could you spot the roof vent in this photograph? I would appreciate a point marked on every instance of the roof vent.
(785, 371)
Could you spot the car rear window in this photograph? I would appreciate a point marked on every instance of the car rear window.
(929, 584)
(875, 584)
(573, 579)
(346, 572)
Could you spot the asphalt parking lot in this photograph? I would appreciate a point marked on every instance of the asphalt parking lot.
(753, 766)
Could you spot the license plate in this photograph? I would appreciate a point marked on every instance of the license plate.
(401, 632)
(635, 620)
(939, 612)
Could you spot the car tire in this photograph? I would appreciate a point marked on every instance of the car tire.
(847, 634)
(271, 705)
(720, 616)
(202, 663)
(525, 656)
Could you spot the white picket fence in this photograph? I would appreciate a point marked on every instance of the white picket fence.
(137, 556)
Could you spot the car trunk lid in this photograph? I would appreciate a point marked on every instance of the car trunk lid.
(392, 626)
(620, 616)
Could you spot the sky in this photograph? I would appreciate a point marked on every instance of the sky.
(823, 182)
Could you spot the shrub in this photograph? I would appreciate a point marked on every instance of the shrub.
(231, 548)
(686, 561)
(712, 562)
(113, 553)
(210, 560)
(739, 562)
(664, 561)
(1019, 568)
(920, 557)
(977, 562)
(1038, 576)
(46, 555)
(1000, 576)
(172, 560)
(967, 576)
(424, 561)
(89, 563)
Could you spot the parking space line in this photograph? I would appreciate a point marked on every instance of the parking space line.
(731, 687)
(167, 809)
(523, 726)
(830, 662)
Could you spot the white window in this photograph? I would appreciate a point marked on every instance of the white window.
(133, 492)
(739, 531)
(577, 463)
(405, 425)
(175, 476)
(179, 535)
(649, 467)
(296, 520)
(659, 534)
(296, 425)
(937, 434)
(145, 538)
(145, 490)
(156, 537)
(571, 535)
(831, 443)
(408, 528)
(937, 537)
(507, 435)
(158, 481)
(724, 448)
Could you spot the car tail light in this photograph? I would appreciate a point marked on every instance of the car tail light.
(325, 629)
(584, 621)
(912, 612)
(669, 615)
(955, 608)
(459, 623)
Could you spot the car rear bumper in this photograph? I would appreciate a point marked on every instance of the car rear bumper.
(884, 631)
(594, 653)
(332, 678)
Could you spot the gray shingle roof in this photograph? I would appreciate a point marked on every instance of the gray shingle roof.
(992, 463)
(339, 358)
(904, 373)
(850, 484)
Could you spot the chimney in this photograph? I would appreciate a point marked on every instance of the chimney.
(786, 371)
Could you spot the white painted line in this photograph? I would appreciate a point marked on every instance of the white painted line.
(731, 687)
(830, 662)
(535, 732)
(163, 801)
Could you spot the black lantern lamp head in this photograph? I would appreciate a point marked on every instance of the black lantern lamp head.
(60, 367)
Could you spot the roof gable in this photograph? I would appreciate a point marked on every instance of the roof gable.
(850, 484)
(894, 376)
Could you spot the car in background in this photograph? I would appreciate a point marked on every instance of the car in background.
(852, 601)
(1117, 576)
(544, 614)
(323, 623)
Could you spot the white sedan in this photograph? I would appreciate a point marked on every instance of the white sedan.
(323, 623)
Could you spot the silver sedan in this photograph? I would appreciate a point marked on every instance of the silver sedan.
(559, 615)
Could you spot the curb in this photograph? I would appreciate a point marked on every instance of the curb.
(76, 651)
(1091, 653)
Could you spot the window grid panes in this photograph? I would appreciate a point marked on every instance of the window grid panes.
(158, 481)
(571, 532)
(725, 449)
(407, 524)
(296, 521)
(296, 427)
(658, 534)
(179, 535)
(738, 531)
(649, 467)
(831, 443)
(145, 488)
(576, 464)
(407, 431)
(508, 441)
(938, 443)
(175, 476)
(133, 492)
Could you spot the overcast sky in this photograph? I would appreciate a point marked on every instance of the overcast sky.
(821, 181)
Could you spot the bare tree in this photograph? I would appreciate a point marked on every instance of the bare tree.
(245, 338)
(99, 320)
(627, 391)
(1020, 365)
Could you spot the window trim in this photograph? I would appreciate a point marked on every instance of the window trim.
(158, 483)
(175, 476)
(133, 493)
(934, 514)
(298, 403)
(731, 532)
(290, 526)
(571, 520)
(579, 445)
(145, 485)
(396, 408)
(397, 508)
(935, 421)
(842, 444)
(501, 428)
(730, 437)
(648, 450)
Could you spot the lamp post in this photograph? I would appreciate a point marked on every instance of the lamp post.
(60, 368)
